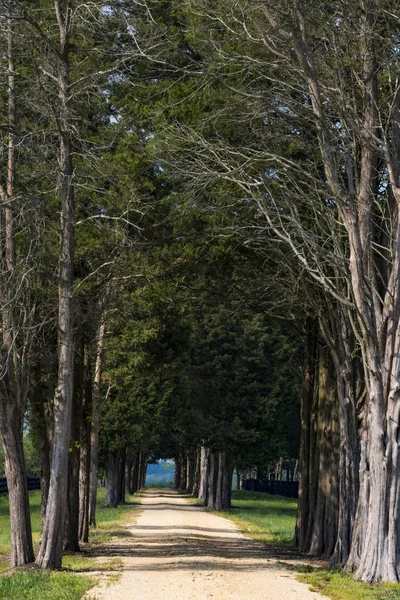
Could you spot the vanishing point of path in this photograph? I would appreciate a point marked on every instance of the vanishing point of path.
(179, 551)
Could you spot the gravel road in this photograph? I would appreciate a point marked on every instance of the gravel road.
(179, 551)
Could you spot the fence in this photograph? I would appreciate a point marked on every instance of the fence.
(33, 484)
(289, 489)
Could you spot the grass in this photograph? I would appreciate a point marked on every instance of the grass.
(72, 582)
(5, 536)
(340, 586)
(271, 520)
(43, 585)
(268, 519)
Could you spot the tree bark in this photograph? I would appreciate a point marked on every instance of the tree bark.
(94, 432)
(196, 482)
(211, 481)
(220, 478)
(71, 535)
(84, 470)
(50, 553)
(305, 458)
(112, 484)
(203, 472)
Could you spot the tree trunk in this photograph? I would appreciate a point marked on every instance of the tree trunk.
(325, 512)
(177, 471)
(11, 400)
(305, 458)
(71, 535)
(112, 484)
(203, 472)
(128, 476)
(190, 470)
(196, 482)
(211, 481)
(50, 553)
(39, 427)
(182, 483)
(20, 521)
(227, 482)
(84, 470)
(220, 477)
(121, 477)
(94, 433)
(143, 470)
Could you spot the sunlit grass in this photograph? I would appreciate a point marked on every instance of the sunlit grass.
(5, 534)
(45, 585)
(110, 521)
(268, 519)
(340, 586)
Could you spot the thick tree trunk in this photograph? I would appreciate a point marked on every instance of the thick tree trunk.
(94, 433)
(305, 459)
(20, 521)
(325, 513)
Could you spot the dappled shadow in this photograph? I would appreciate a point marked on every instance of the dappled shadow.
(173, 546)
(161, 528)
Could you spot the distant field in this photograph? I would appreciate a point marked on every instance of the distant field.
(160, 473)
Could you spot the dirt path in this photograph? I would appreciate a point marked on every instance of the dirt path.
(178, 551)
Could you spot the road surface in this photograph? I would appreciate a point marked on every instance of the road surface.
(179, 551)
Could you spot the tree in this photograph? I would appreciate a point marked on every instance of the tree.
(329, 191)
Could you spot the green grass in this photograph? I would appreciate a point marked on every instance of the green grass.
(5, 536)
(45, 585)
(268, 519)
(110, 521)
(340, 586)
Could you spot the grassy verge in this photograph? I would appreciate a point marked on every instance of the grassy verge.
(271, 520)
(268, 519)
(73, 582)
(339, 586)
